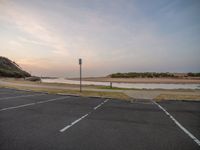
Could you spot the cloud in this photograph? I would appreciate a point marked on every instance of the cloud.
(25, 21)
(108, 35)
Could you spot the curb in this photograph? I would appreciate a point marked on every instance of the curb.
(94, 96)
(65, 94)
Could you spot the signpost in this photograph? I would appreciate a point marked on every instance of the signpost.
(80, 63)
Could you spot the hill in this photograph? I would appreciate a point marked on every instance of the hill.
(9, 68)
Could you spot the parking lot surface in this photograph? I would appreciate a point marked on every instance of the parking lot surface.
(30, 121)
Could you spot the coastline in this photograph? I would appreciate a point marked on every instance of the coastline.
(102, 91)
(142, 80)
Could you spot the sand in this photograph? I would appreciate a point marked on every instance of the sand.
(144, 80)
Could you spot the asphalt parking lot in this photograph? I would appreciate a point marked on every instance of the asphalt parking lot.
(39, 121)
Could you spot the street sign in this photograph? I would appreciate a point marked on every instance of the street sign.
(80, 61)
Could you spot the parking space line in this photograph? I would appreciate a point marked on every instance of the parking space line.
(4, 92)
(179, 125)
(74, 122)
(3, 98)
(100, 104)
(30, 104)
(84, 116)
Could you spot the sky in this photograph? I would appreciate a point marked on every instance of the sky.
(47, 37)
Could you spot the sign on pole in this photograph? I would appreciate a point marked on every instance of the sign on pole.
(80, 63)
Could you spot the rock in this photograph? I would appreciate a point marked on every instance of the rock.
(33, 78)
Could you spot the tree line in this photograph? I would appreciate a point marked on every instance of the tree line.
(150, 75)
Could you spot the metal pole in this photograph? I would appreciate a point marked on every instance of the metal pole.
(80, 78)
(80, 63)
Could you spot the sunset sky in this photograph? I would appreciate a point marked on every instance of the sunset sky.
(46, 37)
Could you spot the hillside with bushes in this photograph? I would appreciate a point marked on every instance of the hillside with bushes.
(9, 68)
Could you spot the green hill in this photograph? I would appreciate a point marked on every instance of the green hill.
(9, 68)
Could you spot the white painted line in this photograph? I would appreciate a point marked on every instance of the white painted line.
(14, 107)
(3, 98)
(179, 125)
(30, 104)
(84, 116)
(100, 104)
(73, 123)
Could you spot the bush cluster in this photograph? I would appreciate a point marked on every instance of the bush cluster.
(141, 75)
(190, 74)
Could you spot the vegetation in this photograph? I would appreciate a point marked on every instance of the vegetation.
(113, 95)
(181, 97)
(190, 74)
(141, 75)
(114, 88)
(9, 68)
(152, 75)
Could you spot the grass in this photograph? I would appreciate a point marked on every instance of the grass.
(177, 97)
(114, 92)
(114, 88)
(113, 95)
(22, 81)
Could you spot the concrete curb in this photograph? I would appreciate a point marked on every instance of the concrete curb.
(66, 94)
(176, 100)
(76, 95)
(94, 96)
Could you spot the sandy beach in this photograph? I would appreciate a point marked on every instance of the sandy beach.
(143, 80)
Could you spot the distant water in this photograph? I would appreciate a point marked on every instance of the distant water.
(127, 85)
